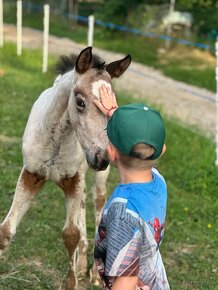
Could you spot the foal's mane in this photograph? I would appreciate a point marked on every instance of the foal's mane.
(67, 63)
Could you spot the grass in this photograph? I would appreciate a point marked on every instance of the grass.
(37, 260)
(183, 63)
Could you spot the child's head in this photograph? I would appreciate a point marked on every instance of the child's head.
(137, 132)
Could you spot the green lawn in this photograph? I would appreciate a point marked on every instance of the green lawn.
(36, 259)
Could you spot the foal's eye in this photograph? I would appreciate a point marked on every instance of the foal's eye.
(80, 104)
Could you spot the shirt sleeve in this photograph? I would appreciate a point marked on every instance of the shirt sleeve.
(123, 248)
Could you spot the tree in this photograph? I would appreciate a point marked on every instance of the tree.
(118, 9)
(204, 13)
(73, 6)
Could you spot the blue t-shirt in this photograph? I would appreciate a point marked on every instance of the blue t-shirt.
(130, 232)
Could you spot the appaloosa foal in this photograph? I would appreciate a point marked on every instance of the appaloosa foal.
(65, 130)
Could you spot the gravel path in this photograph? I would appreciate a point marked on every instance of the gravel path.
(195, 107)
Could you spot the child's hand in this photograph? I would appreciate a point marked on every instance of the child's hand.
(107, 103)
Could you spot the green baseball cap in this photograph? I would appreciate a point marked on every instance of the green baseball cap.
(136, 123)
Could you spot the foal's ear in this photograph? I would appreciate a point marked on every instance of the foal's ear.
(117, 68)
(84, 60)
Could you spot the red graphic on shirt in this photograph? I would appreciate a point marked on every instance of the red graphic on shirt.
(102, 234)
(157, 229)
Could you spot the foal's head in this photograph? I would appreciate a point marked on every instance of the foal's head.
(90, 72)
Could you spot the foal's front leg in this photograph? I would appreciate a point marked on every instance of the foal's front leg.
(27, 186)
(99, 192)
(73, 188)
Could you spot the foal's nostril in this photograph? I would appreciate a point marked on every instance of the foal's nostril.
(104, 164)
(99, 160)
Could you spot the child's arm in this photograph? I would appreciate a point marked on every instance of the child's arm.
(107, 103)
(125, 283)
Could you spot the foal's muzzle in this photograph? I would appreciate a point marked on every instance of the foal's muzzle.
(97, 158)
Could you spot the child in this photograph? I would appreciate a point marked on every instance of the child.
(129, 235)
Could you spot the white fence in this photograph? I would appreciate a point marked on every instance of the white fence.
(45, 20)
(45, 39)
(19, 27)
(1, 24)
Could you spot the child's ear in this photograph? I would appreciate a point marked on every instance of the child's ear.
(112, 152)
(164, 149)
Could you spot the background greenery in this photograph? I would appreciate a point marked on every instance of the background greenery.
(37, 259)
(181, 62)
(122, 11)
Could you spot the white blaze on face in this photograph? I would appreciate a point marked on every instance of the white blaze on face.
(96, 85)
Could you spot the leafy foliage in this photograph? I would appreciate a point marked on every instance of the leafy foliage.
(121, 10)
(200, 9)
(118, 9)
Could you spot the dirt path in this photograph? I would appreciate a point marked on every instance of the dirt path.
(191, 105)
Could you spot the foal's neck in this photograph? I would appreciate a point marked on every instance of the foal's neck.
(56, 103)
(62, 90)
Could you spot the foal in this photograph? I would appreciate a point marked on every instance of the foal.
(65, 130)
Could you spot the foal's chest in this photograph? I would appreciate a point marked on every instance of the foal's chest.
(54, 157)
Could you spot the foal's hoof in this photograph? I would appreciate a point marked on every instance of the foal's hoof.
(81, 274)
(5, 237)
(94, 277)
(81, 266)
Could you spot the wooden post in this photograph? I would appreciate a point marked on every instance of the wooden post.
(216, 48)
(45, 39)
(1, 24)
(19, 27)
(91, 30)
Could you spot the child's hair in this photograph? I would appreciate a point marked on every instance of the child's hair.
(139, 157)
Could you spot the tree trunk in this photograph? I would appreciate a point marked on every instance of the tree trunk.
(73, 8)
(63, 6)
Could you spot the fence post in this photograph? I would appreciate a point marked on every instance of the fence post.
(45, 39)
(91, 30)
(1, 24)
(216, 48)
(19, 27)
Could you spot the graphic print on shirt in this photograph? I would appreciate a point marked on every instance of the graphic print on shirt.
(123, 263)
(100, 256)
(130, 233)
(158, 228)
(126, 261)
(102, 233)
